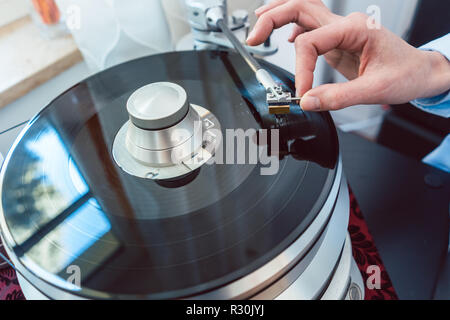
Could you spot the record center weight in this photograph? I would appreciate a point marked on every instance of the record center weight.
(166, 136)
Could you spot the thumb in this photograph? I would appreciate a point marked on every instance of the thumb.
(337, 96)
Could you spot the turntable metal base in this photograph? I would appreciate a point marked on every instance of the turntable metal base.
(346, 283)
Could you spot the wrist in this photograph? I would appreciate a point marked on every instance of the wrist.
(438, 79)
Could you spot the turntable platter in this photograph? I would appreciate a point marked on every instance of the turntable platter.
(66, 202)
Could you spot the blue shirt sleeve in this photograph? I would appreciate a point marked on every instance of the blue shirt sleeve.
(440, 157)
(439, 105)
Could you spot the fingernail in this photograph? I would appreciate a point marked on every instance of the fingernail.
(309, 103)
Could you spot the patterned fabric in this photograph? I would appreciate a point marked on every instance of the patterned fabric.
(9, 286)
(364, 252)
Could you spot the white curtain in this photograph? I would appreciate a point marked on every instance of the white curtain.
(109, 32)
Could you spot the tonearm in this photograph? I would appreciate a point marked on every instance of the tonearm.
(212, 27)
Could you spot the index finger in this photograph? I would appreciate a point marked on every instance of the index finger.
(309, 46)
(270, 20)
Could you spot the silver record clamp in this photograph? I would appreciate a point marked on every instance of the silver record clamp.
(212, 27)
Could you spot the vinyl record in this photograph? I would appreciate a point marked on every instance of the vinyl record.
(68, 206)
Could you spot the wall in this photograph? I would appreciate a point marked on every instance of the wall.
(11, 10)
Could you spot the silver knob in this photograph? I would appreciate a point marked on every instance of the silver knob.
(164, 129)
(158, 105)
(164, 137)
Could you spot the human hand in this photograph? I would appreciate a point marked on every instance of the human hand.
(381, 67)
(306, 14)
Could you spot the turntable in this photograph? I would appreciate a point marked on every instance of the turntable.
(142, 182)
